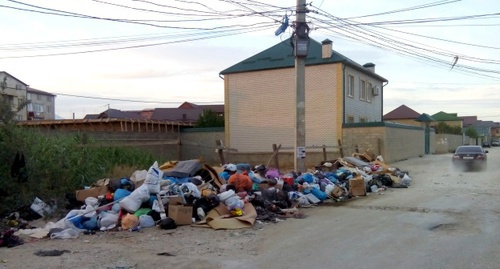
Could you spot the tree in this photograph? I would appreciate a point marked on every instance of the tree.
(209, 118)
(471, 132)
(443, 128)
(7, 113)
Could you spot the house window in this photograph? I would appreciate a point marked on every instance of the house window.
(362, 119)
(350, 86)
(19, 117)
(37, 107)
(38, 97)
(369, 92)
(350, 119)
(362, 90)
(49, 109)
(28, 95)
(10, 100)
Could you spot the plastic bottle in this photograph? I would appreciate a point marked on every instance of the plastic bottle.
(136, 229)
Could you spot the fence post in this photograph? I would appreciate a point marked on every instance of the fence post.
(324, 153)
(179, 149)
(220, 151)
(341, 149)
(274, 157)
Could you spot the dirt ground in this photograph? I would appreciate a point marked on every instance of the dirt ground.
(446, 219)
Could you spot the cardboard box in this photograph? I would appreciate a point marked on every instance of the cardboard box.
(357, 187)
(181, 214)
(81, 195)
(174, 200)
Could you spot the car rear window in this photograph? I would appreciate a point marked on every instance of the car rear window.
(469, 149)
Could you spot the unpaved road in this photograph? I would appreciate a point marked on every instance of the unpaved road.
(446, 219)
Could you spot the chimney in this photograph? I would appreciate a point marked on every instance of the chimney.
(370, 66)
(326, 49)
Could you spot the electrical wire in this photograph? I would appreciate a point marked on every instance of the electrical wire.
(260, 28)
(133, 101)
(354, 30)
(433, 4)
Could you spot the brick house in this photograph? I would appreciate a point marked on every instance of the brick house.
(259, 94)
(403, 115)
(450, 119)
(14, 91)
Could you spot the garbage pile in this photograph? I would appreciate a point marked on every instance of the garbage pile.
(190, 192)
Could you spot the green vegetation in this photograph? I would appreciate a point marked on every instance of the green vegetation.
(56, 164)
(471, 132)
(443, 128)
(209, 118)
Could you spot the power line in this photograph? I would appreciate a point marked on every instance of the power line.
(438, 3)
(134, 46)
(132, 101)
(409, 49)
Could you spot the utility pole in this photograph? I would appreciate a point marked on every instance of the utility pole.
(301, 43)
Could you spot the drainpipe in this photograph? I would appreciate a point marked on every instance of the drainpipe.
(343, 93)
(382, 101)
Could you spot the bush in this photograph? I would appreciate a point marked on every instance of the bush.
(56, 164)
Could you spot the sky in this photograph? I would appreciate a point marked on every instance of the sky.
(438, 55)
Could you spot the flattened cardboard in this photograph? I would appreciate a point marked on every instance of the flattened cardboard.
(219, 218)
(81, 195)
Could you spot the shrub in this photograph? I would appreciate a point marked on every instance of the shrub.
(57, 164)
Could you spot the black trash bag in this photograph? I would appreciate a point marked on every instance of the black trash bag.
(167, 224)
(206, 203)
(18, 169)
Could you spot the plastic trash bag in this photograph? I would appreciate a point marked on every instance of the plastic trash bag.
(406, 180)
(146, 221)
(134, 201)
(153, 177)
(107, 220)
(68, 233)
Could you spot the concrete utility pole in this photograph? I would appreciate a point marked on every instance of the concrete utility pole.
(301, 43)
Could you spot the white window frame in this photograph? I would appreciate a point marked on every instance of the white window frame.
(369, 86)
(362, 90)
(350, 86)
(350, 119)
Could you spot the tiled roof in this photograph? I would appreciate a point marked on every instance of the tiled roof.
(176, 114)
(443, 116)
(39, 92)
(118, 114)
(469, 120)
(401, 112)
(425, 118)
(281, 56)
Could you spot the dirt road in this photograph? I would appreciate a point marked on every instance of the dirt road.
(446, 219)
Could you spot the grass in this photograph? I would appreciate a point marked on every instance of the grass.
(58, 164)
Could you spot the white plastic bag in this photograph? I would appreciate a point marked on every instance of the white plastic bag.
(138, 176)
(153, 177)
(406, 180)
(68, 233)
(146, 221)
(107, 220)
(134, 201)
(193, 189)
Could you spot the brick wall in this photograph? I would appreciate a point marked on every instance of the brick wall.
(446, 143)
(394, 142)
(262, 108)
